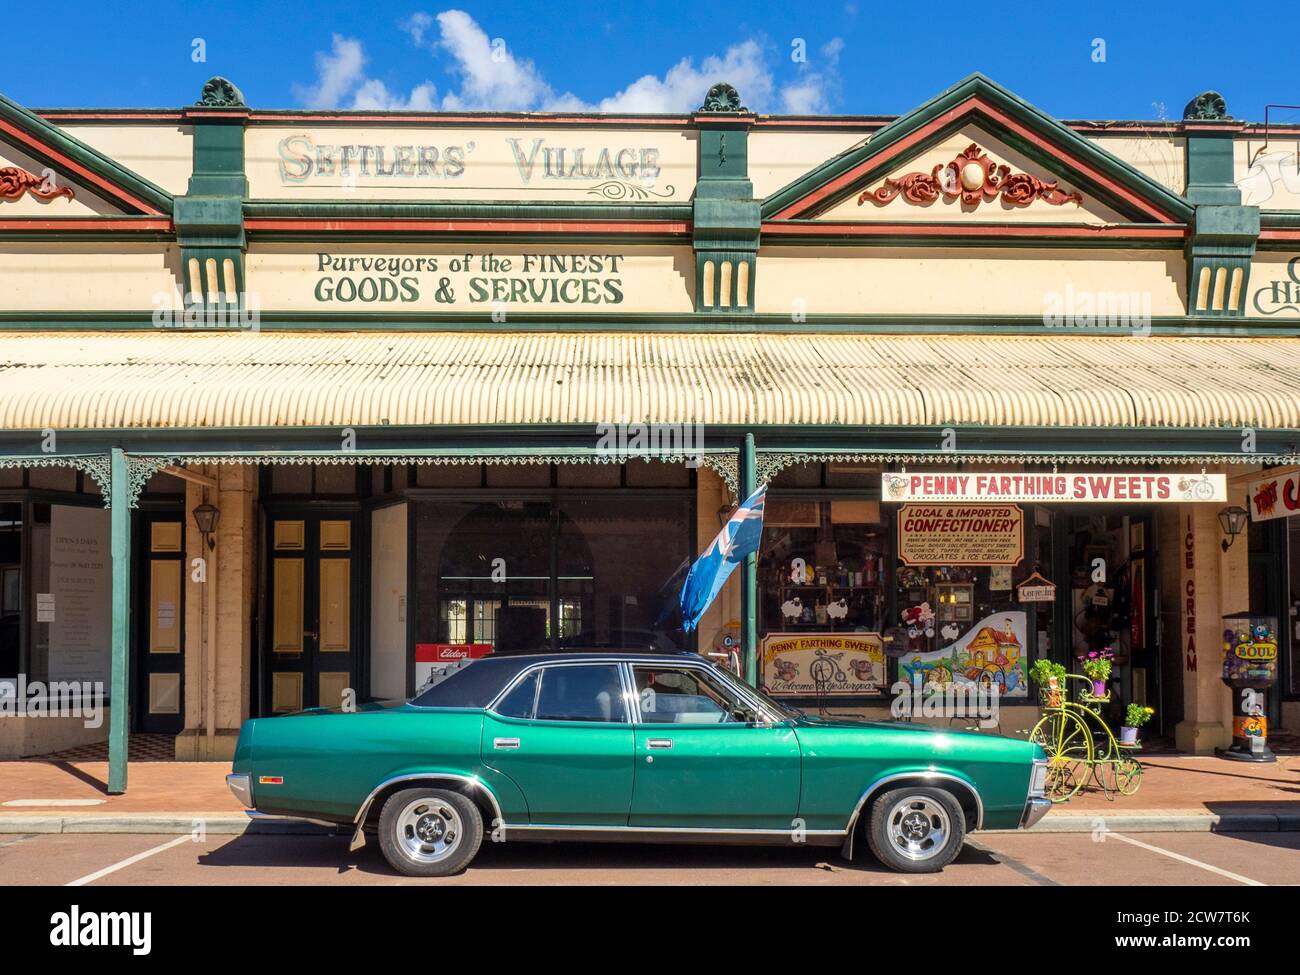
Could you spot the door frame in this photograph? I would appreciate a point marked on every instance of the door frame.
(141, 585)
(312, 512)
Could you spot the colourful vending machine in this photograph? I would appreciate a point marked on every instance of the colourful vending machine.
(1249, 669)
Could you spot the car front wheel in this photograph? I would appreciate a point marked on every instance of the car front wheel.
(916, 829)
(429, 832)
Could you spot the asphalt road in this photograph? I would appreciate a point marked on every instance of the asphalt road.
(1020, 859)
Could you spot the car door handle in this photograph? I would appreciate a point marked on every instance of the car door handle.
(659, 743)
(505, 744)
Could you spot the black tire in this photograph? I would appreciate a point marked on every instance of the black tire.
(450, 832)
(916, 829)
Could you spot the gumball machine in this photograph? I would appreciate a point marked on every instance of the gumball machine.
(1249, 669)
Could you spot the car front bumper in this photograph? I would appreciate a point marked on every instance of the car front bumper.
(242, 788)
(1035, 809)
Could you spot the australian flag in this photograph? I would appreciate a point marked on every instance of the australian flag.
(739, 537)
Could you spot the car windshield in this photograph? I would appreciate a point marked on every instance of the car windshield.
(784, 710)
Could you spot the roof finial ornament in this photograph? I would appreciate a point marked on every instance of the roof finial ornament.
(221, 93)
(722, 97)
(1208, 106)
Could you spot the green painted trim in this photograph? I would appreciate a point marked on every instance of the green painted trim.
(465, 210)
(578, 440)
(978, 85)
(1045, 239)
(749, 569)
(685, 322)
(119, 692)
(92, 159)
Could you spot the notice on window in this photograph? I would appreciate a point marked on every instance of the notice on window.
(961, 534)
(45, 607)
(81, 587)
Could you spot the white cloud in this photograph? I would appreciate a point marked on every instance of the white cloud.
(683, 87)
(342, 72)
(816, 87)
(489, 77)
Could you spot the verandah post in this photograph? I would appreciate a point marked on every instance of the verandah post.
(749, 569)
(120, 518)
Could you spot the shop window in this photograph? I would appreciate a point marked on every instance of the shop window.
(842, 475)
(11, 594)
(570, 574)
(1292, 621)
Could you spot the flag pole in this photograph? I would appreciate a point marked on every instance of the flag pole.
(749, 570)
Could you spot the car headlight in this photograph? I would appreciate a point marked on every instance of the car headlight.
(1038, 778)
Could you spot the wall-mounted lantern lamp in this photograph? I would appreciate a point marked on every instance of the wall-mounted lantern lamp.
(1233, 520)
(206, 517)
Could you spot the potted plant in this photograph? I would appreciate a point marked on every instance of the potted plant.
(1134, 718)
(1050, 678)
(1097, 667)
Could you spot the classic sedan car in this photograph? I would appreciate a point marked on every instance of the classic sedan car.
(657, 747)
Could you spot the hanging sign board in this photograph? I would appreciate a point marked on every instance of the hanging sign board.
(1073, 488)
(1274, 497)
(961, 534)
(1036, 589)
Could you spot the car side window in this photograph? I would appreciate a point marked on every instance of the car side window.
(672, 695)
(518, 703)
(581, 692)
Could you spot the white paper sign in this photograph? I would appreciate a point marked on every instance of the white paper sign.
(45, 607)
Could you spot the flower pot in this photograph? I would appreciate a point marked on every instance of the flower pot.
(1099, 688)
(1127, 735)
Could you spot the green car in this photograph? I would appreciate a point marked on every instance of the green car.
(659, 747)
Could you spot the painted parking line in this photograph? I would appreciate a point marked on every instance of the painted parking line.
(42, 803)
(92, 877)
(1186, 859)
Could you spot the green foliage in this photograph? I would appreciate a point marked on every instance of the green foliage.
(1044, 669)
(1137, 715)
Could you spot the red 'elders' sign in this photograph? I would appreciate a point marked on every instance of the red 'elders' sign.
(972, 486)
(1274, 497)
(443, 653)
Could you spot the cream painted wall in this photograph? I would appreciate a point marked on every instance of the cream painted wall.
(162, 154)
(1162, 158)
(88, 277)
(388, 595)
(777, 159)
(1268, 173)
(960, 281)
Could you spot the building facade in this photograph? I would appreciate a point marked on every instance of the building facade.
(299, 409)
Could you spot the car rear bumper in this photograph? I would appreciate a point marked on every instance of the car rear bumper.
(242, 788)
(1035, 809)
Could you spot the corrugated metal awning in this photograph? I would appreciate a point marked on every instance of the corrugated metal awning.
(173, 380)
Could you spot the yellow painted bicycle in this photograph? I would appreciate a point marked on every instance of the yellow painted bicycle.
(1080, 745)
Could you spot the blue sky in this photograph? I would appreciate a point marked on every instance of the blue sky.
(1099, 60)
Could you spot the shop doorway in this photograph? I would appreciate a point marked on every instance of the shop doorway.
(158, 635)
(314, 614)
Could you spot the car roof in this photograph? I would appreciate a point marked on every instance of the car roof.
(477, 685)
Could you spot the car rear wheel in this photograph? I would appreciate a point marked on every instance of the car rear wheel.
(429, 832)
(916, 829)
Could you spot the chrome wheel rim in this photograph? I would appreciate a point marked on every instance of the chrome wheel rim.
(918, 827)
(429, 830)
